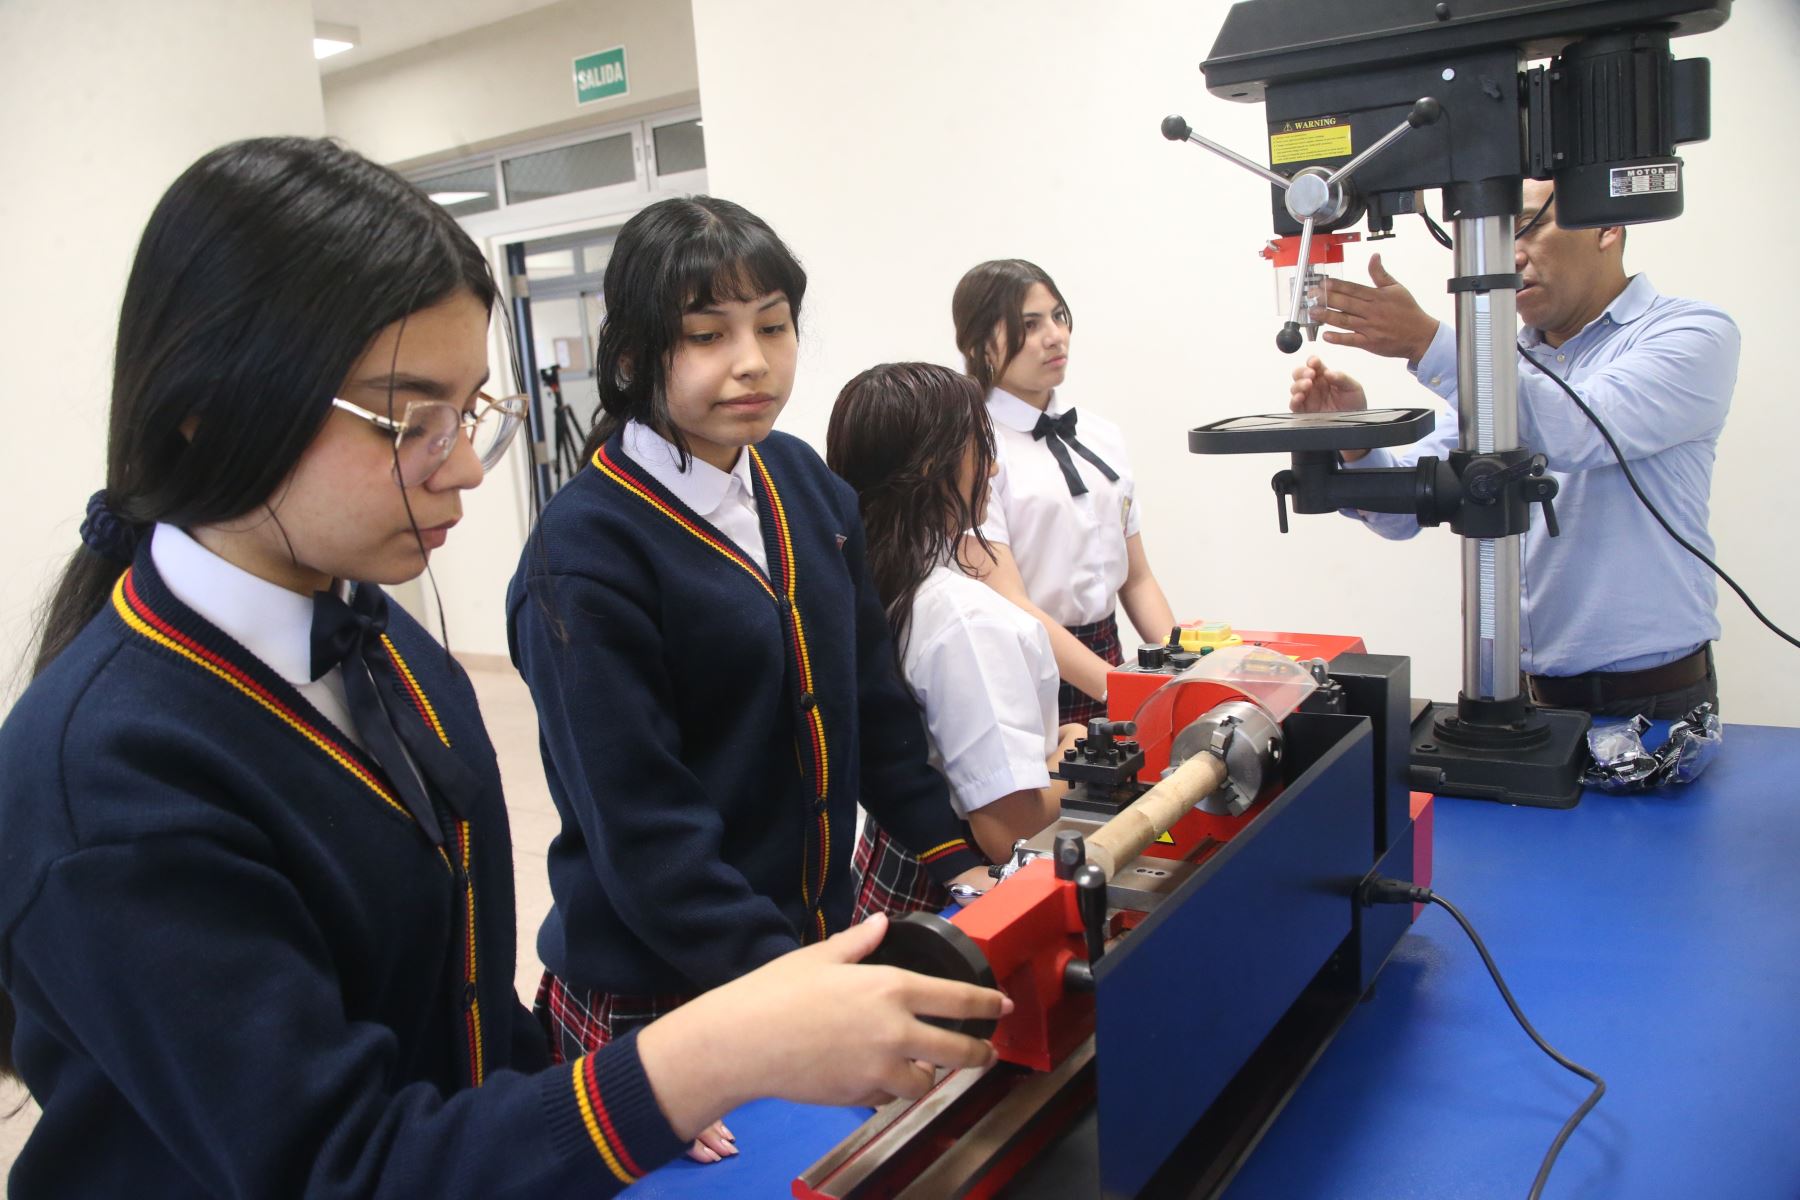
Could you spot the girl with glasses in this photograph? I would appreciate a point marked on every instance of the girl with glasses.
(915, 441)
(256, 914)
(711, 666)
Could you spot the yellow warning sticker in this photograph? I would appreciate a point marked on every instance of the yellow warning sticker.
(1313, 138)
(1165, 840)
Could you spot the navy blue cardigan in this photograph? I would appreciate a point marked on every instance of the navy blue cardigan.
(708, 729)
(240, 968)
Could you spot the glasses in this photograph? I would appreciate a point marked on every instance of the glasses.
(424, 437)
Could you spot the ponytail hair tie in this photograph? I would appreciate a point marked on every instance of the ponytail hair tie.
(106, 533)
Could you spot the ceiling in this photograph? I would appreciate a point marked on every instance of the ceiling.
(390, 26)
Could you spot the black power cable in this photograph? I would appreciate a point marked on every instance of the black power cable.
(1393, 891)
(1645, 500)
(1437, 231)
(1443, 239)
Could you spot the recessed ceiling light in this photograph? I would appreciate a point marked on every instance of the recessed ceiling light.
(330, 39)
(447, 198)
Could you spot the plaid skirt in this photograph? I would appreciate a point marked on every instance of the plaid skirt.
(1074, 706)
(579, 1022)
(890, 880)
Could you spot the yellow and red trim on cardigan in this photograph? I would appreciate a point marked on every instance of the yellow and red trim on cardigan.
(636, 487)
(141, 619)
(413, 691)
(138, 616)
(599, 1123)
(943, 849)
(472, 1018)
(812, 890)
(802, 654)
(464, 850)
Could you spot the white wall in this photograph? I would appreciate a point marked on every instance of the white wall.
(102, 104)
(511, 80)
(896, 145)
(503, 83)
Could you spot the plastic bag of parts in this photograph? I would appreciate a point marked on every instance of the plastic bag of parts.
(1622, 764)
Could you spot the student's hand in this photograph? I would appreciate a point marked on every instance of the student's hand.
(1384, 319)
(1318, 389)
(714, 1143)
(813, 1027)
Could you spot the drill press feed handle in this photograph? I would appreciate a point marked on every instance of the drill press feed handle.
(1315, 196)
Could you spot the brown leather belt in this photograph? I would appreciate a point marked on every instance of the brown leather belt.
(1598, 688)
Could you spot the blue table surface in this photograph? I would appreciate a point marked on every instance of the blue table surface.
(1654, 938)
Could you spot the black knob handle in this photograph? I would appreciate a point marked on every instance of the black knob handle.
(1071, 853)
(1285, 483)
(1090, 902)
(1425, 111)
(1175, 128)
(1288, 340)
(1543, 490)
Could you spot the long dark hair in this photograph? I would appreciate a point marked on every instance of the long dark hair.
(990, 294)
(264, 273)
(675, 257)
(898, 435)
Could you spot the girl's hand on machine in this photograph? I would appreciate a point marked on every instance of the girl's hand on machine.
(815, 1027)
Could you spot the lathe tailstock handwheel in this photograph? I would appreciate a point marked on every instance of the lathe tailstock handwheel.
(926, 943)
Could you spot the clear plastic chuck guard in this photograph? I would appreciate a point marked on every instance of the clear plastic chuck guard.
(1270, 680)
(1273, 681)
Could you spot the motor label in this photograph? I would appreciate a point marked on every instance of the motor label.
(1640, 181)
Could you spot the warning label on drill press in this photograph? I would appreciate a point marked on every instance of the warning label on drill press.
(1639, 181)
(1304, 141)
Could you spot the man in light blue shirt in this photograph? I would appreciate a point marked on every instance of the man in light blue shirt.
(1615, 617)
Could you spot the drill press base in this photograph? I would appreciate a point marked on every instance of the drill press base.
(1452, 758)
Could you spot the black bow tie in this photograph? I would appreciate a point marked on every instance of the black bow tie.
(340, 630)
(1059, 432)
(349, 635)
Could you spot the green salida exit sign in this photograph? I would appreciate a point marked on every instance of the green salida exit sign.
(600, 76)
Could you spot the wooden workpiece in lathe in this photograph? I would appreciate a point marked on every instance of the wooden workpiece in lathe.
(1154, 813)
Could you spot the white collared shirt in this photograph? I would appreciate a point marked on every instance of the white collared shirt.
(982, 671)
(725, 499)
(264, 618)
(1070, 549)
